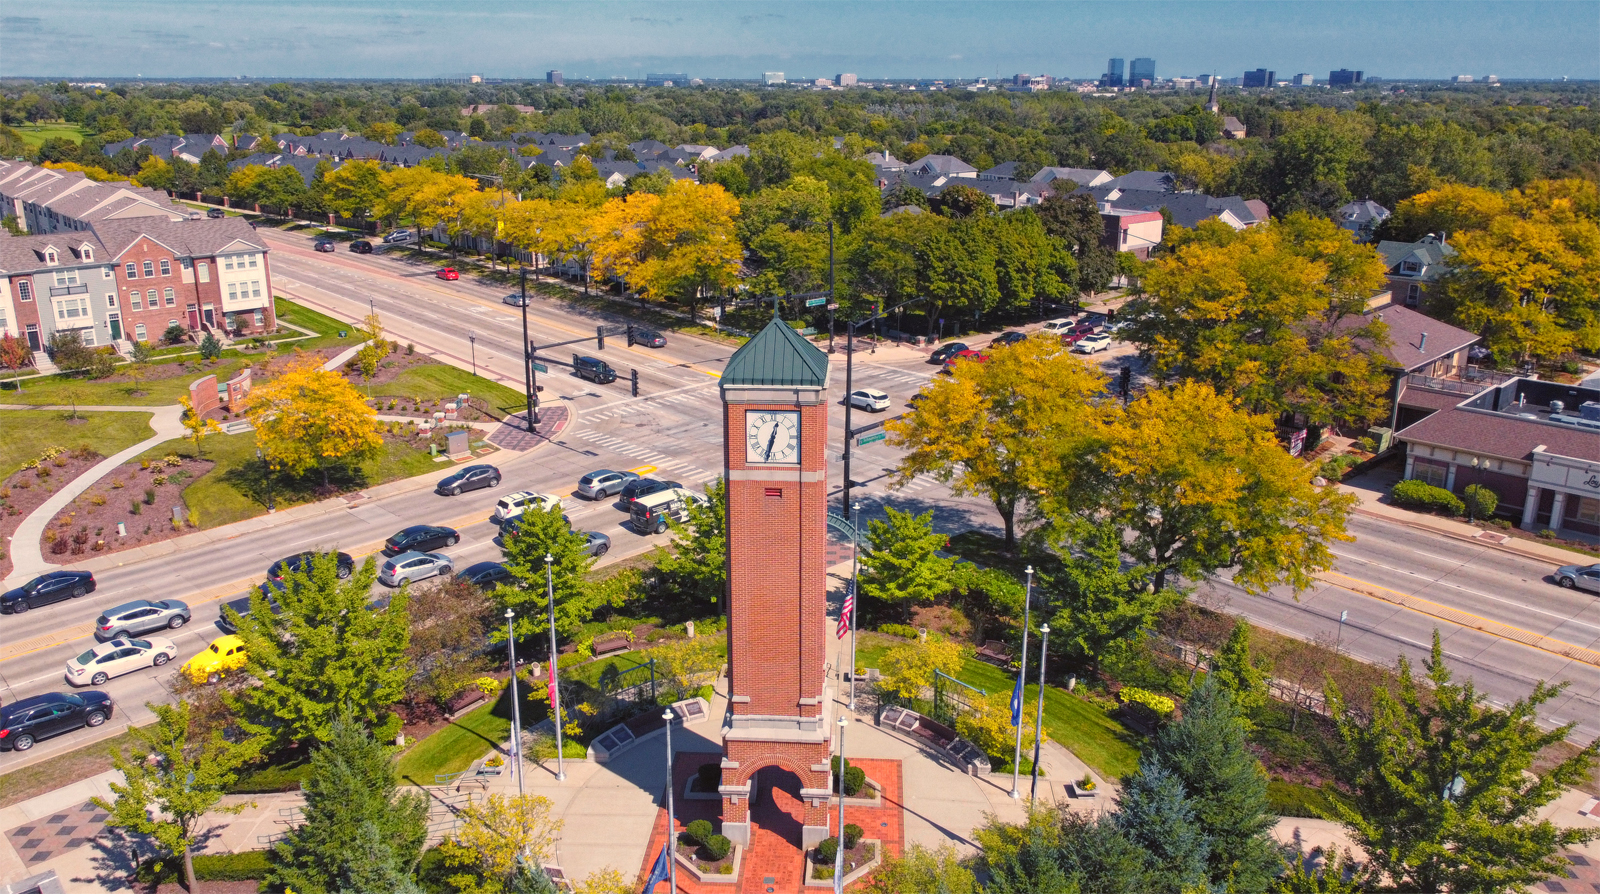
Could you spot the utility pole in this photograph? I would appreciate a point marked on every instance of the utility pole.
(855, 593)
(527, 356)
(832, 298)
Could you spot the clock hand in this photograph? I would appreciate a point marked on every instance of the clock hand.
(771, 441)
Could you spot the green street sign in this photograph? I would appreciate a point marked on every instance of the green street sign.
(540, 368)
(876, 436)
(816, 302)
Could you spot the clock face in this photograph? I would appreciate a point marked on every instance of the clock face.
(772, 436)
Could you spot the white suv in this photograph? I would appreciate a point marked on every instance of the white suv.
(512, 506)
(400, 236)
(1061, 326)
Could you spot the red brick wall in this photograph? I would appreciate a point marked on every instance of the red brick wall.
(795, 757)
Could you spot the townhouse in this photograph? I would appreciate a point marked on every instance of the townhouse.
(44, 200)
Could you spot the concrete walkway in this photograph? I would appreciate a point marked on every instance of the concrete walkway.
(26, 555)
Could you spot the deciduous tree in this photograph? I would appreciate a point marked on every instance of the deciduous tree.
(697, 561)
(354, 188)
(198, 427)
(495, 839)
(908, 669)
(903, 565)
(536, 535)
(939, 871)
(311, 418)
(15, 356)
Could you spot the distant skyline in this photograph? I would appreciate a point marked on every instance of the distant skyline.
(85, 39)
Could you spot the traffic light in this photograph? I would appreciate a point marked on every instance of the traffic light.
(599, 338)
(635, 382)
(630, 344)
(1127, 382)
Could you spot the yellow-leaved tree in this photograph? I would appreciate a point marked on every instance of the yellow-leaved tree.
(492, 840)
(310, 418)
(678, 245)
(908, 669)
(426, 196)
(197, 427)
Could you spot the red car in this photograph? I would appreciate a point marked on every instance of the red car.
(1078, 333)
(448, 273)
(975, 356)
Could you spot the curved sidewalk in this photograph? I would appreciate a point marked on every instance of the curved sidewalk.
(27, 559)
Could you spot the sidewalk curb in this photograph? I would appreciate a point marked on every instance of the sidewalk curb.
(1475, 541)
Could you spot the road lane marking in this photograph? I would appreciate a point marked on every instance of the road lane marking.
(642, 470)
(1463, 619)
(1563, 619)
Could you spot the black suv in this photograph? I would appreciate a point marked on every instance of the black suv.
(28, 720)
(301, 563)
(420, 538)
(470, 478)
(644, 487)
(594, 369)
(361, 247)
(946, 352)
(45, 589)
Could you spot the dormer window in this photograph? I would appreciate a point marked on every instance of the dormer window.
(86, 253)
(50, 257)
(1410, 267)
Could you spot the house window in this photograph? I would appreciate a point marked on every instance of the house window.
(1430, 473)
(166, 266)
(3, 323)
(88, 336)
(72, 308)
(227, 263)
(252, 262)
(108, 272)
(131, 271)
(261, 318)
(66, 277)
(50, 257)
(184, 263)
(136, 300)
(24, 290)
(87, 252)
(205, 272)
(139, 331)
(1413, 295)
(1409, 267)
(111, 301)
(255, 288)
(166, 293)
(149, 268)
(171, 323)
(233, 291)
(1588, 511)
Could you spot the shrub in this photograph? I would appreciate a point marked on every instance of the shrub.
(159, 480)
(174, 334)
(699, 831)
(854, 777)
(1420, 495)
(718, 846)
(828, 850)
(904, 630)
(852, 836)
(1546, 534)
(150, 496)
(58, 546)
(410, 349)
(177, 525)
(1334, 469)
(1480, 501)
(100, 365)
(709, 776)
(43, 471)
(1571, 367)
(173, 459)
(134, 506)
(117, 485)
(98, 499)
(1365, 442)
(1160, 705)
(210, 347)
(194, 517)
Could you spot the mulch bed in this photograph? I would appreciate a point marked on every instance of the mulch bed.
(26, 490)
(855, 857)
(89, 523)
(208, 887)
(695, 854)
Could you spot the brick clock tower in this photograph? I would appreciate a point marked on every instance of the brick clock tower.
(775, 425)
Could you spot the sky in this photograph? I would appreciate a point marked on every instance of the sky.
(89, 39)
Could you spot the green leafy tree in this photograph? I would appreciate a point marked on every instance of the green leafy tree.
(535, 535)
(1443, 798)
(1058, 850)
(902, 565)
(327, 651)
(1338, 874)
(360, 834)
(174, 775)
(920, 869)
(1206, 750)
(1154, 812)
(1096, 607)
(698, 561)
(1235, 670)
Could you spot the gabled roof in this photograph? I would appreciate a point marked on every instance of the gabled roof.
(1006, 170)
(943, 164)
(1415, 339)
(777, 357)
(1080, 176)
(1150, 181)
(1428, 252)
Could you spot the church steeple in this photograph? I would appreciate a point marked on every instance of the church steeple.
(1211, 104)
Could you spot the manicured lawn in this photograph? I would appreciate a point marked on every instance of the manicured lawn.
(157, 392)
(591, 672)
(433, 381)
(24, 433)
(62, 770)
(326, 327)
(454, 748)
(34, 135)
(1084, 728)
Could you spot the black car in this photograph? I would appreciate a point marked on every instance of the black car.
(470, 478)
(946, 352)
(361, 247)
(420, 538)
(649, 338)
(215, 213)
(644, 487)
(45, 589)
(241, 606)
(1009, 338)
(28, 720)
(594, 369)
(484, 574)
(301, 562)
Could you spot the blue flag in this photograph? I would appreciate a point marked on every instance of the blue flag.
(659, 872)
(1016, 703)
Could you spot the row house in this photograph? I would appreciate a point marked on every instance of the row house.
(133, 279)
(44, 200)
(190, 147)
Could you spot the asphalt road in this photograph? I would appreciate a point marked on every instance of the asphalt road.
(673, 430)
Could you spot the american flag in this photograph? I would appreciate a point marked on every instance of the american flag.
(849, 608)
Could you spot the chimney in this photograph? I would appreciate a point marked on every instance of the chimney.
(1422, 343)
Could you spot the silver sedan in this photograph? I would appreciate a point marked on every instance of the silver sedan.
(118, 657)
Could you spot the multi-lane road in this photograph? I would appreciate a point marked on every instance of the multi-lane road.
(673, 429)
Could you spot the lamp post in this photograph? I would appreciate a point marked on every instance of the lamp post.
(855, 593)
(266, 476)
(1022, 674)
(472, 339)
(1038, 720)
(838, 857)
(516, 699)
(1337, 640)
(555, 690)
(672, 822)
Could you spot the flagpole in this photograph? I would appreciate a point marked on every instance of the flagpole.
(1038, 722)
(854, 595)
(1016, 695)
(555, 690)
(672, 823)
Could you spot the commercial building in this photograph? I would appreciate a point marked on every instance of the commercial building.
(1141, 71)
(666, 79)
(553, 76)
(772, 78)
(1261, 77)
(844, 80)
(1113, 76)
(1303, 80)
(1344, 77)
(1461, 79)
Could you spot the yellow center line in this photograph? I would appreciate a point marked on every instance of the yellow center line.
(1463, 619)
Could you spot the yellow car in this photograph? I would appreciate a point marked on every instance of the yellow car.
(223, 657)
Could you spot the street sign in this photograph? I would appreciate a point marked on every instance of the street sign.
(817, 302)
(876, 436)
(540, 368)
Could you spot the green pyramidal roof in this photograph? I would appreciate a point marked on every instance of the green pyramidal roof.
(777, 356)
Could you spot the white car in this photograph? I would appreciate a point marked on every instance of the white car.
(514, 299)
(1092, 344)
(869, 399)
(400, 236)
(117, 657)
(514, 505)
(1060, 327)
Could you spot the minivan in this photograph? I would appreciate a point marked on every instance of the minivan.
(594, 369)
(650, 514)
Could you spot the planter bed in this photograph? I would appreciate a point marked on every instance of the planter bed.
(864, 857)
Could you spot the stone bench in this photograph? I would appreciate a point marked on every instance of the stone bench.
(941, 737)
(463, 700)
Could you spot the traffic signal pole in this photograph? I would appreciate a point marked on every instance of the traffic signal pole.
(527, 358)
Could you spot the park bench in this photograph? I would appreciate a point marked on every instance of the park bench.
(964, 753)
(611, 642)
(995, 652)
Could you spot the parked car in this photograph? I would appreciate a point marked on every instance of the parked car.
(27, 720)
(594, 369)
(649, 338)
(945, 352)
(1092, 344)
(400, 237)
(241, 605)
(113, 659)
(869, 399)
(449, 273)
(301, 562)
(324, 245)
(967, 355)
(224, 656)
(412, 566)
(361, 247)
(1077, 333)
(651, 514)
(420, 538)
(1582, 577)
(469, 478)
(215, 213)
(51, 587)
(141, 616)
(598, 544)
(513, 505)
(644, 487)
(484, 574)
(514, 299)
(603, 483)
(1008, 338)
(1058, 327)
(513, 528)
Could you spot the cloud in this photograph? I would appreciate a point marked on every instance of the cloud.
(646, 20)
(752, 19)
(20, 23)
(955, 55)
